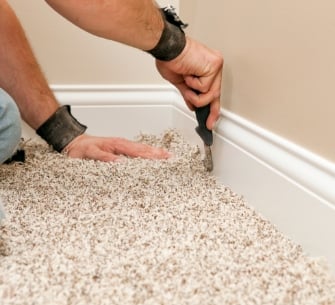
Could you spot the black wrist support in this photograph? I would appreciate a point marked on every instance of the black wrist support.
(173, 40)
(61, 128)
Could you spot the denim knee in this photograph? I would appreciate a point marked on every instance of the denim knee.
(10, 126)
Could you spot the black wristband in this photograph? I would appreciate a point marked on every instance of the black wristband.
(173, 40)
(61, 128)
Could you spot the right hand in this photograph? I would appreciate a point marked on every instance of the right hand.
(197, 74)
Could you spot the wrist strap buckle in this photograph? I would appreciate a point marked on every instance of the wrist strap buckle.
(172, 16)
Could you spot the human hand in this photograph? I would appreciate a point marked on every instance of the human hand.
(197, 73)
(111, 149)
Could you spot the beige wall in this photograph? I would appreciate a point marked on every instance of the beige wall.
(279, 63)
(279, 60)
(69, 55)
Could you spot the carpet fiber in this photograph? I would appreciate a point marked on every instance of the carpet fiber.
(143, 232)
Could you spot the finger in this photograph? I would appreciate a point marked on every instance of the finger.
(134, 149)
(201, 84)
(204, 82)
(201, 98)
(95, 153)
(105, 156)
(214, 114)
(183, 89)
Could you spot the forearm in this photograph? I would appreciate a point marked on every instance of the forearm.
(20, 74)
(137, 23)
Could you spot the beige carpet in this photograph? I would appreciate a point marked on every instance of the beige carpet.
(143, 232)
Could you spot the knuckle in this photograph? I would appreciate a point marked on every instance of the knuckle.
(204, 87)
(219, 58)
(198, 103)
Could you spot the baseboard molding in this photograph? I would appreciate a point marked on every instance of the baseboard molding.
(118, 110)
(287, 184)
(121, 95)
(312, 172)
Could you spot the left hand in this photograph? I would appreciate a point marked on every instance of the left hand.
(111, 149)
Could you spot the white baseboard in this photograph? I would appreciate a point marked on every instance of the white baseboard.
(287, 184)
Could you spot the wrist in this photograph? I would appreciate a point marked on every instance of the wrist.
(60, 128)
(173, 40)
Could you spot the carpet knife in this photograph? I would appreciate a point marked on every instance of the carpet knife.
(205, 134)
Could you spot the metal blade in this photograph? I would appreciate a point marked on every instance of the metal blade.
(208, 160)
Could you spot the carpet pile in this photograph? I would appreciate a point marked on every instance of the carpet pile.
(143, 232)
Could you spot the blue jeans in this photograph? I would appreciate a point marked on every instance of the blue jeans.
(10, 126)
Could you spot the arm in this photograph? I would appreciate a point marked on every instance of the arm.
(22, 78)
(136, 23)
(20, 74)
(139, 23)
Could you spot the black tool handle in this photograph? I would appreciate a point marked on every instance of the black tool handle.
(205, 134)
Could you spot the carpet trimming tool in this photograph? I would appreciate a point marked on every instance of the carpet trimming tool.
(205, 134)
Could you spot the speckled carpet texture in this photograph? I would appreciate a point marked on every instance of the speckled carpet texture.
(143, 232)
